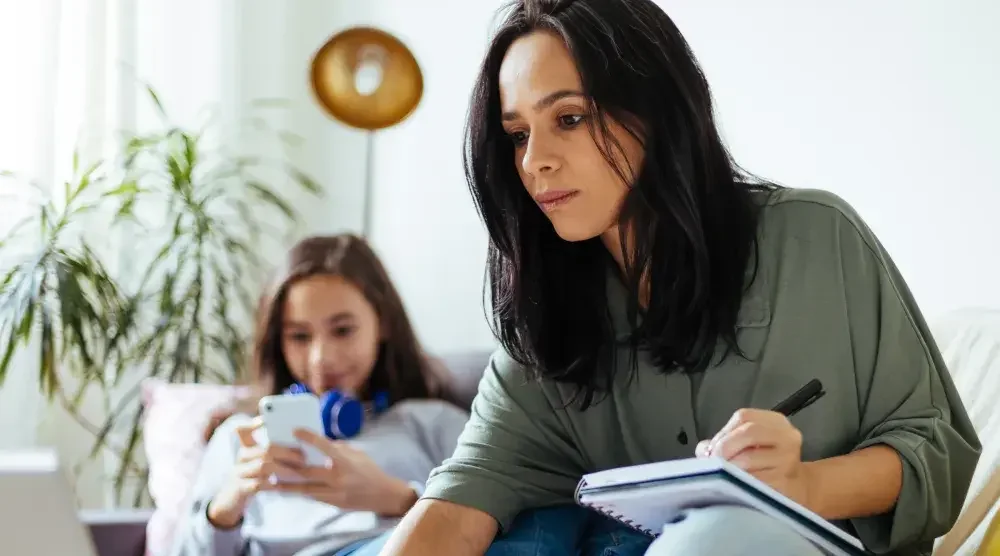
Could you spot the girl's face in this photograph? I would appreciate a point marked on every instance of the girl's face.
(545, 115)
(330, 334)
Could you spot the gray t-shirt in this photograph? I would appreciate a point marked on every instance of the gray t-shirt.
(407, 442)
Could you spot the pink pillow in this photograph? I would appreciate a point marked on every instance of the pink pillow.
(175, 419)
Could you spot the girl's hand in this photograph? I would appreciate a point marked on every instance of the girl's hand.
(765, 444)
(254, 468)
(352, 481)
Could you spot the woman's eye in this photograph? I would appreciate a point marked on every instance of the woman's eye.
(518, 137)
(298, 337)
(570, 120)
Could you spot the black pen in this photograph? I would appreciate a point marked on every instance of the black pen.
(812, 391)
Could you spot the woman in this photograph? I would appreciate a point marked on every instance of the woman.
(660, 302)
(331, 320)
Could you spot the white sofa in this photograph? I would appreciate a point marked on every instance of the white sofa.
(969, 340)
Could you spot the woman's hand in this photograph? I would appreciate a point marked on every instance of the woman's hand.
(254, 468)
(767, 445)
(352, 481)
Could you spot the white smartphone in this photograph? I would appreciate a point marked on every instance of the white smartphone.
(282, 414)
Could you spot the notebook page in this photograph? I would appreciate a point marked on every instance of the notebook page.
(656, 470)
(672, 469)
(649, 509)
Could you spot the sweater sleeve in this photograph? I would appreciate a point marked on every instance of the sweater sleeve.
(196, 535)
(514, 453)
(907, 400)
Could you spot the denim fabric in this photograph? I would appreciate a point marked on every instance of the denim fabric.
(365, 547)
(552, 531)
(574, 531)
(607, 537)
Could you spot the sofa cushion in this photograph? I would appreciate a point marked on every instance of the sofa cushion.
(969, 340)
(466, 370)
(175, 418)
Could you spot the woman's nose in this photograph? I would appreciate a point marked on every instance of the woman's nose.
(539, 158)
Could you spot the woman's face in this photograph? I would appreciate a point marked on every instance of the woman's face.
(330, 334)
(561, 166)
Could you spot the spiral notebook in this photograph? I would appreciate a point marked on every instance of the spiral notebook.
(647, 496)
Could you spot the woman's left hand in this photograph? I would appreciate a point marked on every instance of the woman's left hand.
(765, 444)
(352, 481)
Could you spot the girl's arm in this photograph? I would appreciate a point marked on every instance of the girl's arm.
(196, 535)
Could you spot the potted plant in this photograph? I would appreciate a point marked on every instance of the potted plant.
(178, 306)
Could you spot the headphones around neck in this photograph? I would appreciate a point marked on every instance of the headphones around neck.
(342, 414)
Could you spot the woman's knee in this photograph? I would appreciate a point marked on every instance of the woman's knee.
(730, 531)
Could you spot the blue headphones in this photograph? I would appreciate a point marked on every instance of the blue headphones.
(343, 414)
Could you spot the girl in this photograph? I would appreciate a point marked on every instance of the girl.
(330, 320)
(654, 302)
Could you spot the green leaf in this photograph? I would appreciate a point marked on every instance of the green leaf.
(24, 328)
(9, 348)
(47, 354)
(166, 294)
(129, 187)
(17, 314)
(156, 101)
(268, 196)
(135, 434)
(125, 211)
(305, 181)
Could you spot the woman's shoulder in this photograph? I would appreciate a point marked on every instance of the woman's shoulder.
(812, 216)
(806, 202)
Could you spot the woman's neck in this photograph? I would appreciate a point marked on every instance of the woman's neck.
(613, 243)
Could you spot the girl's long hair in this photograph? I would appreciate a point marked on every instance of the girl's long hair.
(402, 369)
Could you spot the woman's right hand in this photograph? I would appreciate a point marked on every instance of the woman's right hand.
(255, 465)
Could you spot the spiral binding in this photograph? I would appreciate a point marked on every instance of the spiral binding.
(620, 518)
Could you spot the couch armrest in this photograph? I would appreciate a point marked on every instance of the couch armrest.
(117, 532)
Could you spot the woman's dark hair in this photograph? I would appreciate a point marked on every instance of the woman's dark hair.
(689, 217)
(402, 369)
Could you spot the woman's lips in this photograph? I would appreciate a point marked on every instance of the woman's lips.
(550, 200)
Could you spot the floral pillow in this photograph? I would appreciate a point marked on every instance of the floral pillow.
(177, 417)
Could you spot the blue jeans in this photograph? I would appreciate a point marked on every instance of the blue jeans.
(572, 531)
(555, 531)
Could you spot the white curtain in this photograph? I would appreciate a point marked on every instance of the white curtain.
(73, 77)
(52, 58)
(62, 92)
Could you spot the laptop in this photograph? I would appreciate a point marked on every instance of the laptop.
(38, 513)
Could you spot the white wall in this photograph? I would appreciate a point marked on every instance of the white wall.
(425, 225)
(890, 104)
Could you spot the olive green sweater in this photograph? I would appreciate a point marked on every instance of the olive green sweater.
(827, 303)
